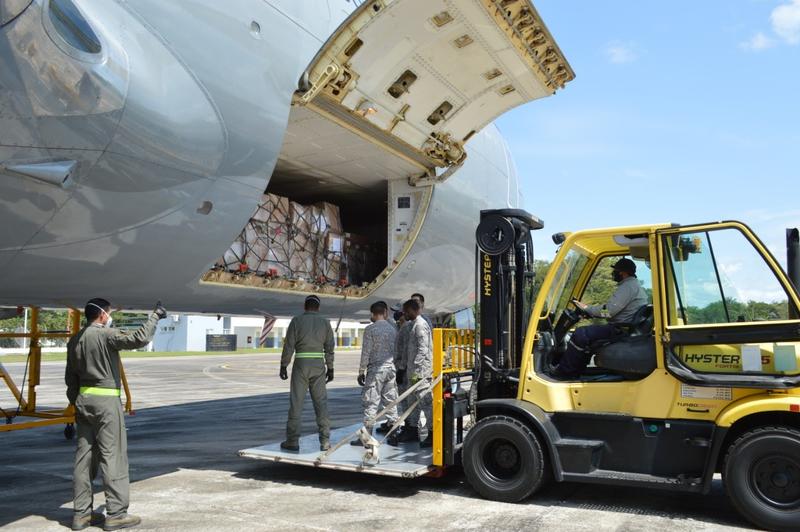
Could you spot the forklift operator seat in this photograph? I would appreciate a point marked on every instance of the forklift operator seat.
(633, 353)
(640, 324)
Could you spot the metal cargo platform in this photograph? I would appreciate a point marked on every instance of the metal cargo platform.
(406, 460)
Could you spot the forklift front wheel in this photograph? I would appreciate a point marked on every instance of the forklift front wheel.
(762, 477)
(503, 459)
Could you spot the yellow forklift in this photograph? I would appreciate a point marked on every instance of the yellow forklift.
(702, 380)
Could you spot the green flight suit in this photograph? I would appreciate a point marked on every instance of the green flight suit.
(93, 386)
(309, 338)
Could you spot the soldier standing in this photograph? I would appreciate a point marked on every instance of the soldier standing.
(309, 338)
(420, 362)
(415, 339)
(93, 387)
(409, 430)
(376, 372)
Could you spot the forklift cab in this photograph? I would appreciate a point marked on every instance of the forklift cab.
(715, 281)
(584, 274)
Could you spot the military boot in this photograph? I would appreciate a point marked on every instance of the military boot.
(289, 446)
(121, 521)
(384, 427)
(427, 442)
(79, 522)
(406, 435)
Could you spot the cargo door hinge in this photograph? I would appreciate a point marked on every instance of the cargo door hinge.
(430, 178)
(310, 89)
(447, 152)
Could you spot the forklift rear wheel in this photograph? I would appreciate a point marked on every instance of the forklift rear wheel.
(762, 477)
(503, 459)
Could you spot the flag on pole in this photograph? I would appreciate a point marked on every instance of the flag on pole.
(269, 323)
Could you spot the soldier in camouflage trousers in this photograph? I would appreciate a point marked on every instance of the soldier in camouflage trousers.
(413, 366)
(400, 364)
(376, 372)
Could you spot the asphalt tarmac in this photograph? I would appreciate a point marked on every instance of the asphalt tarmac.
(194, 413)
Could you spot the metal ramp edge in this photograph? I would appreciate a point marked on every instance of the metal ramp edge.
(406, 460)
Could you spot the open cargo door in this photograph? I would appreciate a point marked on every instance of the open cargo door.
(383, 113)
(415, 79)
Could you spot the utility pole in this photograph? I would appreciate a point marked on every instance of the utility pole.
(793, 263)
(25, 329)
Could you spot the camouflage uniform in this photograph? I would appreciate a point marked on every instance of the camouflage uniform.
(420, 365)
(401, 364)
(377, 362)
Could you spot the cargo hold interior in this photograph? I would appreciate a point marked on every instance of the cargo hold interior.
(336, 218)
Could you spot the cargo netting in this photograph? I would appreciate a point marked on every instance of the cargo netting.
(285, 239)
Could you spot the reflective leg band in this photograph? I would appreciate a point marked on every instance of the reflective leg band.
(92, 390)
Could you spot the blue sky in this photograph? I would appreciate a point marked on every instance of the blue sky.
(681, 111)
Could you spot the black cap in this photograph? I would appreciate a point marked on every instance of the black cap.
(625, 265)
(313, 298)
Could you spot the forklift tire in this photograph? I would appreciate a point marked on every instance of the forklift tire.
(503, 459)
(762, 477)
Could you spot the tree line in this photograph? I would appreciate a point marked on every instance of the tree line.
(601, 286)
(49, 321)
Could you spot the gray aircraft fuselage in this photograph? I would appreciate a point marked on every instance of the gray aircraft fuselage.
(126, 172)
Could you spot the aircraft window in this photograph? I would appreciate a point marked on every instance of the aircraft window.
(73, 27)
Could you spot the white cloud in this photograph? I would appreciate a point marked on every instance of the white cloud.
(765, 296)
(730, 268)
(757, 42)
(619, 53)
(786, 21)
(711, 289)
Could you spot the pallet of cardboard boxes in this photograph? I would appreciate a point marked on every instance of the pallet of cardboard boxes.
(293, 246)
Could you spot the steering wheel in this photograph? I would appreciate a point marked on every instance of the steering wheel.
(573, 316)
(578, 312)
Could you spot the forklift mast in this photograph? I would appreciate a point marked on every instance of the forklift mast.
(505, 276)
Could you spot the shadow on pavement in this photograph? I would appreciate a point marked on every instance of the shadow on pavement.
(36, 466)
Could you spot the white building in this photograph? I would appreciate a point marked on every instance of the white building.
(187, 332)
(182, 332)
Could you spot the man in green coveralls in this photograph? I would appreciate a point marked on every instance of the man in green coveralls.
(310, 339)
(93, 387)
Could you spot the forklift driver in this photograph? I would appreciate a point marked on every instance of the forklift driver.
(620, 308)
